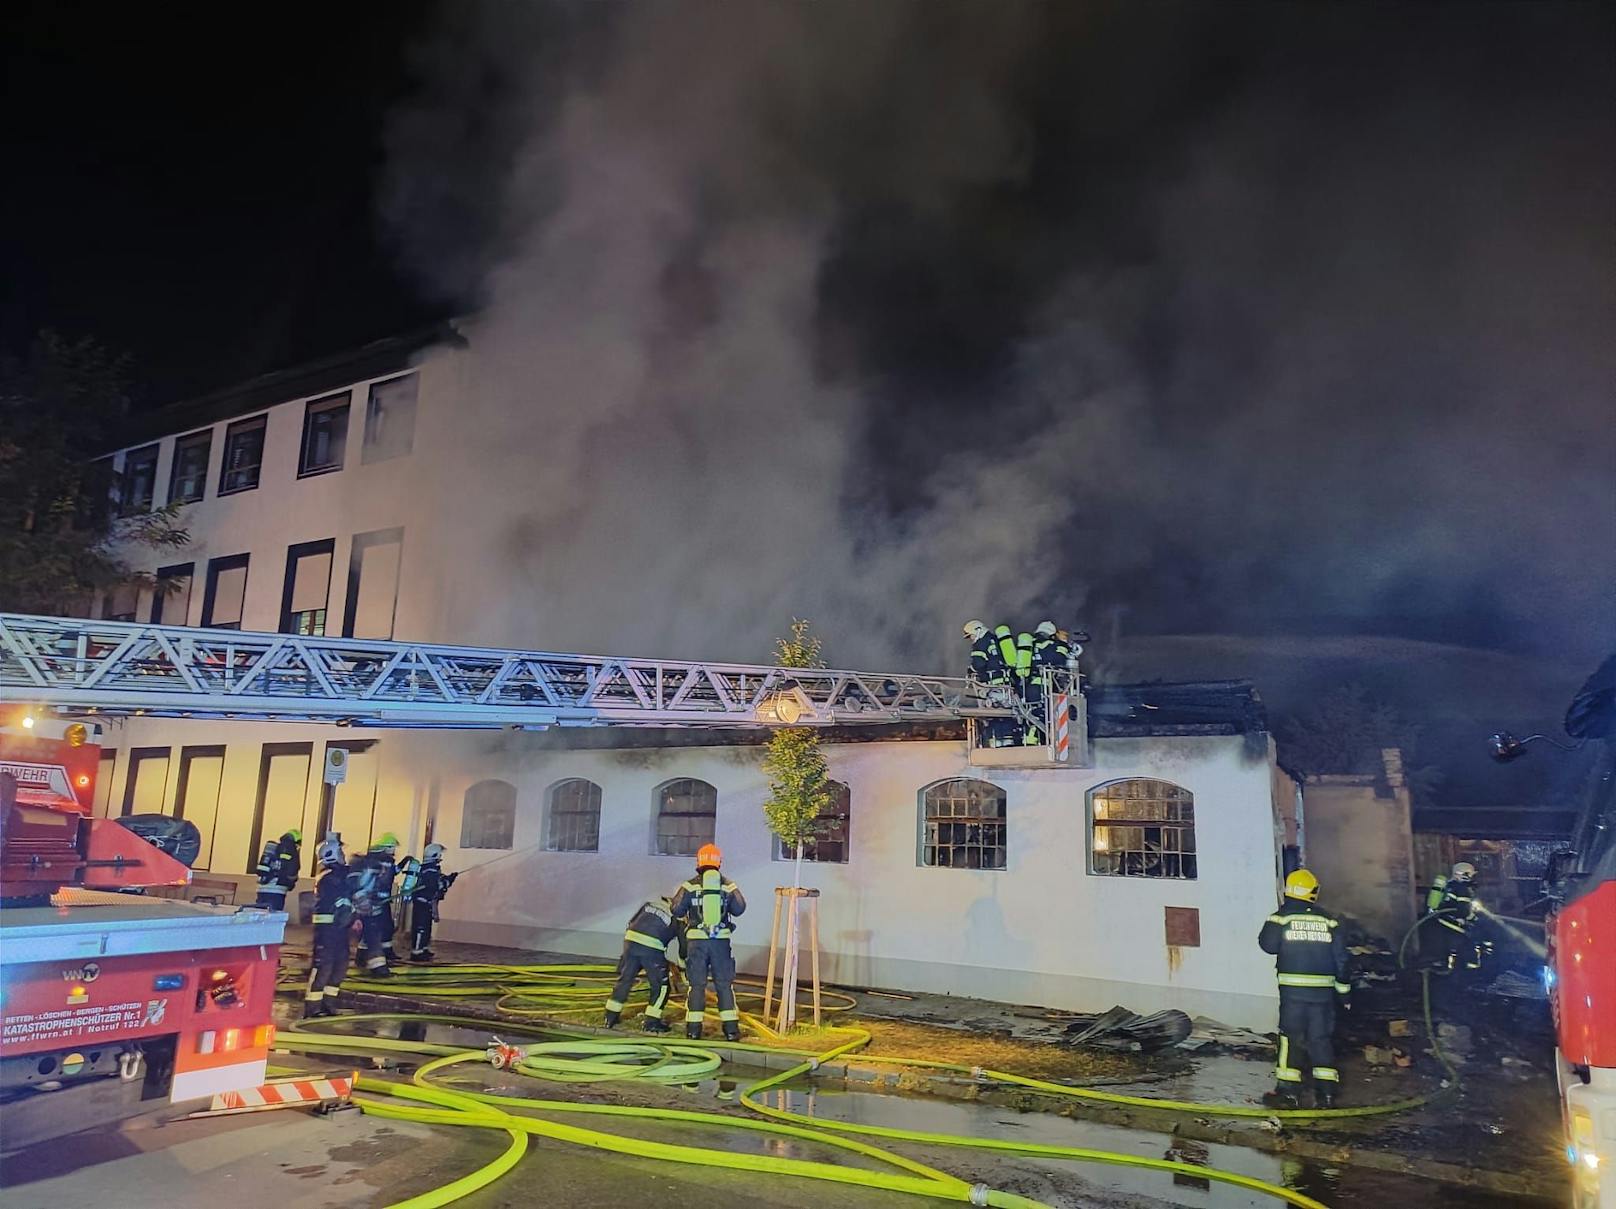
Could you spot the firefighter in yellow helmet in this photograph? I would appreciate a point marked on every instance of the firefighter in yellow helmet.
(707, 905)
(1310, 957)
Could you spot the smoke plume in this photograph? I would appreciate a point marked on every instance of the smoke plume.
(892, 315)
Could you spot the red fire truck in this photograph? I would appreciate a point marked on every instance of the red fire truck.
(96, 981)
(1581, 931)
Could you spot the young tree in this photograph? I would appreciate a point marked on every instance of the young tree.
(799, 788)
(59, 405)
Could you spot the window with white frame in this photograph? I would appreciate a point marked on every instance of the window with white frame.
(832, 831)
(488, 816)
(389, 419)
(1142, 827)
(963, 825)
(687, 817)
(572, 823)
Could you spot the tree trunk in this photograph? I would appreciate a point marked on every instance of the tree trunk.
(788, 980)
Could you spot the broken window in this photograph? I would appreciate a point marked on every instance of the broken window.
(1142, 828)
(828, 841)
(488, 819)
(389, 419)
(687, 817)
(963, 825)
(573, 821)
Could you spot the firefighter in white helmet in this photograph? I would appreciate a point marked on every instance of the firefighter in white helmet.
(1453, 903)
(427, 888)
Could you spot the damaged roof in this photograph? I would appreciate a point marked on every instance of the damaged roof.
(1116, 711)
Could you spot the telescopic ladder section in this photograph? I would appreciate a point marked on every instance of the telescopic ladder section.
(121, 668)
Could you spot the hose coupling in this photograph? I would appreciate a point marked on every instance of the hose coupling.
(813, 1065)
(979, 1194)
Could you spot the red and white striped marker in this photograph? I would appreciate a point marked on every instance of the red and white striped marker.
(1063, 728)
(284, 1093)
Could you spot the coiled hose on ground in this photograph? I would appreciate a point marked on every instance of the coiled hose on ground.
(550, 992)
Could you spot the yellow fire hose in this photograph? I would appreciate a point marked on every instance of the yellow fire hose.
(531, 992)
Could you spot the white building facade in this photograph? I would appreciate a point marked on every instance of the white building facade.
(1141, 880)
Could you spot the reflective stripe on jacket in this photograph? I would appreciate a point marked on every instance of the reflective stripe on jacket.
(1310, 957)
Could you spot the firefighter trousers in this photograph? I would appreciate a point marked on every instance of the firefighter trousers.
(330, 963)
(376, 933)
(272, 897)
(421, 919)
(711, 957)
(1306, 1028)
(637, 957)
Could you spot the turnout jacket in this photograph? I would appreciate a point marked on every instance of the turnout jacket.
(654, 926)
(1454, 901)
(278, 866)
(333, 905)
(1309, 955)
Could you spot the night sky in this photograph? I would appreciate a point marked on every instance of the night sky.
(1334, 287)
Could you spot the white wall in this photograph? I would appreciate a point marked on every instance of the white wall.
(1041, 931)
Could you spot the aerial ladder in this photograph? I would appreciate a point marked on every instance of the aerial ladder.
(81, 667)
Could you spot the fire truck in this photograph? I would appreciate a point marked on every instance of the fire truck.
(1581, 932)
(100, 980)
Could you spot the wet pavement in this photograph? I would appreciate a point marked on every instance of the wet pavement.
(293, 1160)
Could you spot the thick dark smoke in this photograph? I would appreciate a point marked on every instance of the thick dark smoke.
(1234, 318)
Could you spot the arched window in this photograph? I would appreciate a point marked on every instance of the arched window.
(687, 813)
(572, 823)
(1142, 828)
(488, 818)
(832, 831)
(963, 825)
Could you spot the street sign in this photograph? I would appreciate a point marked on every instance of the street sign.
(336, 765)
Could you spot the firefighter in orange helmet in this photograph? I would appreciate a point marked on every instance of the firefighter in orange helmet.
(707, 905)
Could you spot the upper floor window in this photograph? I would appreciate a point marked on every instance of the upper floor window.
(831, 834)
(687, 817)
(390, 419)
(188, 477)
(171, 599)
(488, 817)
(325, 434)
(243, 455)
(308, 588)
(963, 825)
(1142, 828)
(373, 565)
(225, 597)
(139, 481)
(573, 821)
(121, 603)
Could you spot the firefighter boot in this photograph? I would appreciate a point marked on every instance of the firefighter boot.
(313, 1009)
(611, 1019)
(1280, 1097)
(655, 1026)
(732, 1031)
(1324, 1096)
(693, 1031)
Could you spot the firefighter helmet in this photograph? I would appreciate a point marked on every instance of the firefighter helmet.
(975, 630)
(432, 852)
(709, 857)
(330, 853)
(385, 840)
(1464, 871)
(1303, 885)
(1046, 628)
(294, 835)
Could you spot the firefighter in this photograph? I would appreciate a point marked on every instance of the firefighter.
(652, 941)
(1311, 960)
(1452, 901)
(333, 929)
(1028, 687)
(1051, 648)
(1001, 732)
(376, 871)
(278, 868)
(426, 884)
(987, 665)
(706, 906)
